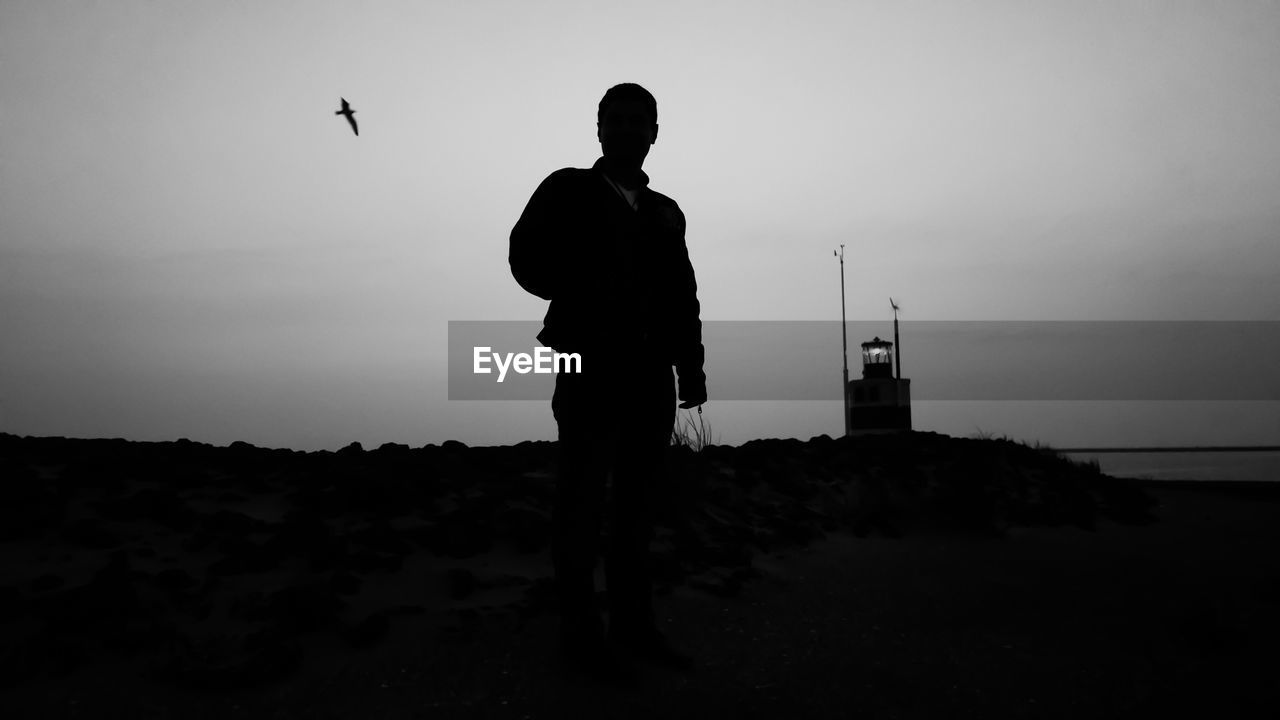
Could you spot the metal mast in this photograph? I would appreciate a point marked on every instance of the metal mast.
(844, 341)
(897, 346)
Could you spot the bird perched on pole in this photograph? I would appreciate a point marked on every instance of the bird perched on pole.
(351, 115)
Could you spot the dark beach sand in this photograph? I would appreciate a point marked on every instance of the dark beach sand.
(1176, 618)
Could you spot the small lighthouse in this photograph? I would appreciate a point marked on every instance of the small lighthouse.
(879, 401)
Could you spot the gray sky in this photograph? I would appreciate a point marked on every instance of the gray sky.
(193, 245)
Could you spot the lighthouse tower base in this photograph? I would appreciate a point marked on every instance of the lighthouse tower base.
(879, 404)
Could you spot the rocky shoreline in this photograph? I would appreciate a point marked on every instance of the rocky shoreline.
(212, 564)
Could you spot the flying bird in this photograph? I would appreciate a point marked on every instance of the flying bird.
(351, 115)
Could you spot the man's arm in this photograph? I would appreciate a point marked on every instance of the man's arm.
(690, 352)
(537, 253)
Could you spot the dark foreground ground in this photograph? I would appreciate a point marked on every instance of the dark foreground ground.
(1178, 618)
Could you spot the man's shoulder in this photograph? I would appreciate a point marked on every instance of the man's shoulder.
(663, 201)
(564, 182)
(667, 209)
(568, 175)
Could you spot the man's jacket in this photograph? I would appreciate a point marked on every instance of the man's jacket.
(618, 278)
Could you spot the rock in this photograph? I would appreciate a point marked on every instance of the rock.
(423, 535)
(251, 481)
(135, 635)
(1209, 626)
(460, 539)
(367, 561)
(305, 534)
(108, 598)
(345, 583)
(198, 542)
(46, 582)
(540, 597)
(526, 527)
(718, 582)
(405, 610)
(89, 533)
(462, 582)
(41, 656)
(173, 579)
(297, 608)
(244, 556)
(216, 664)
(466, 622)
(13, 602)
(161, 506)
(30, 504)
(666, 567)
(369, 631)
(267, 636)
(354, 449)
(381, 537)
(229, 522)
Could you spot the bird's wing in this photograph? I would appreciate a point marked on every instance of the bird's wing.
(345, 104)
(352, 119)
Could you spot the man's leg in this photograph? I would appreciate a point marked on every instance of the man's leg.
(580, 492)
(643, 438)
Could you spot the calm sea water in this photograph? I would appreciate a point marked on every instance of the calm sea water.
(1264, 466)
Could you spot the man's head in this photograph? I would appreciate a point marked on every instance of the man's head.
(627, 124)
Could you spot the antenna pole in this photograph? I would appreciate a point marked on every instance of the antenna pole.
(897, 345)
(844, 341)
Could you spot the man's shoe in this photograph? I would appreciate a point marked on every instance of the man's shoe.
(652, 647)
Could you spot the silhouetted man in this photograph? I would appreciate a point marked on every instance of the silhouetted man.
(610, 255)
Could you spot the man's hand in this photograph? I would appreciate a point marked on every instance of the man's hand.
(693, 392)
